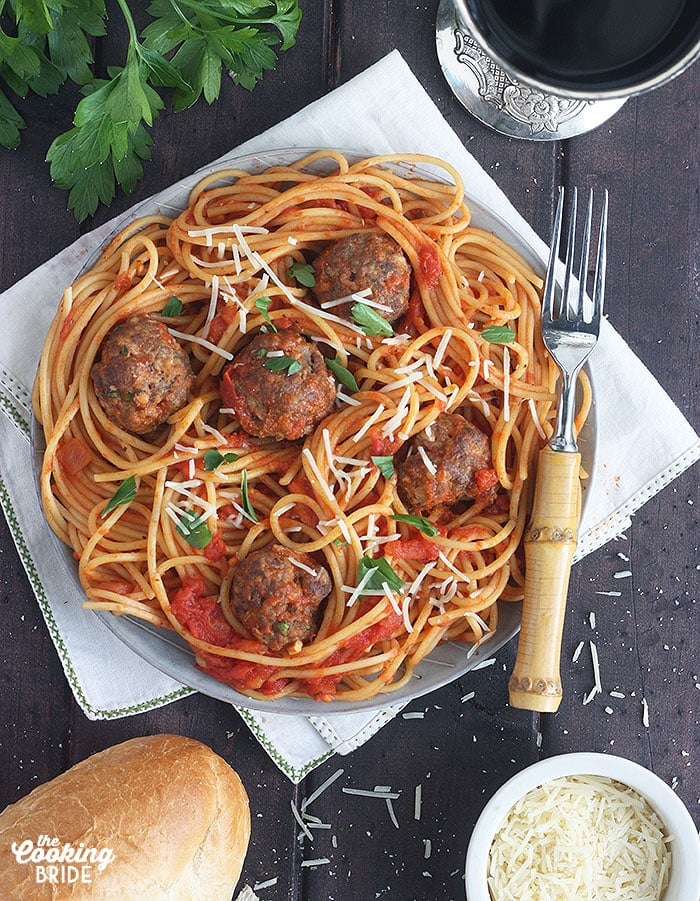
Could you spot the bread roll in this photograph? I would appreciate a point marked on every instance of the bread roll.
(160, 817)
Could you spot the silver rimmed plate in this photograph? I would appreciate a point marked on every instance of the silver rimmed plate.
(166, 651)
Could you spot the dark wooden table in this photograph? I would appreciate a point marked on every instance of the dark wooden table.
(459, 752)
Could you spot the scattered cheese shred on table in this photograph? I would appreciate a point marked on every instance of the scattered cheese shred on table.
(580, 837)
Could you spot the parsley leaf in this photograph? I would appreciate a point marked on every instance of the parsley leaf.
(385, 465)
(213, 458)
(262, 305)
(498, 334)
(174, 307)
(282, 364)
(107, 142)
(211, 36)
(372, 323)
(123, 495)
(381, 573)
(188, 46)
(344, 376)
(420, 522)
(192, 528)
(303, 273)
(245, 499)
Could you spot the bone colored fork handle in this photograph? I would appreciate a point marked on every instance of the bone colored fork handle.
(550, 541)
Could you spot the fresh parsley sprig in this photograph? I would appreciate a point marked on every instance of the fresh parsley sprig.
(498, 334)
(192, 526)
(282, 364)
(379, 573)
(420, 522)
(187, 46)
(124, 495)
(372, 323)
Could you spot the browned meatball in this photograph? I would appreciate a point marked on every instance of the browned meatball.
(279, 386)
(457, 449)
(360, 261)
(143, 375)
(276, 598)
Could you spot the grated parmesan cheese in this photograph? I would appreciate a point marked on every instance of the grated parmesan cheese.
(580, 837)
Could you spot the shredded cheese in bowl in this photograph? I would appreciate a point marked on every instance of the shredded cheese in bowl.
(580, 837)
(584, 826)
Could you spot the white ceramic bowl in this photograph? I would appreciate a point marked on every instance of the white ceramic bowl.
(684, 884)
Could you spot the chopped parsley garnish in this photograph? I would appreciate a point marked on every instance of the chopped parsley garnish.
(123, 495)
(344, 376)
(498, 334)
(420, 522)
(174, 307)
(282, 364)
(372, 323)
(380, 572)
(193, 529)
(303, 273)
(213, 458)
(385, 465)
(245, 499)
(262, 304)
(282, 628)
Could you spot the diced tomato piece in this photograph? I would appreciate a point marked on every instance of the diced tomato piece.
(216, 549)
(381, 445)
(122, 282)
(430, 264)
(216, 329)
(418, 549)
(201, 615)
(228, 511)
(227, 389)
(73, 456)
(485, 479)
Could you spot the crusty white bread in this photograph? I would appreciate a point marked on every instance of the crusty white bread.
(173, 814)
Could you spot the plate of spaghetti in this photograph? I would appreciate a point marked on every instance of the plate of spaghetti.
(287, 425)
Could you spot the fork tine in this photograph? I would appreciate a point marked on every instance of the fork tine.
(585, 250)
(550, 278)
(601, 261)
(566, 311)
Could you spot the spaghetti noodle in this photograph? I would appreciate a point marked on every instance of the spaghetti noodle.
(159, 524)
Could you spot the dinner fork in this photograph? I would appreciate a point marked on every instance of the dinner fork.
(552, 533)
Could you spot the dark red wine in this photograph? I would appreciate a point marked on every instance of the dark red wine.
(588, 44)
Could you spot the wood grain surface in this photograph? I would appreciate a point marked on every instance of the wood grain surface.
(459, 752)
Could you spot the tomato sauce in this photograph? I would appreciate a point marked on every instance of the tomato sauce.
(430, 265)
(325, 688)
(201, 615)
(419, 549)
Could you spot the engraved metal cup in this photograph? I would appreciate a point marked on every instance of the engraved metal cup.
(520, 104)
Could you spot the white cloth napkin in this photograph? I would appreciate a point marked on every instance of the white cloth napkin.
(382, 110)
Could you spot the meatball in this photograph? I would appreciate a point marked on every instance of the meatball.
(143, 375)
(276, 592)
(457, 449)
(279, 386)
(360, 261)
